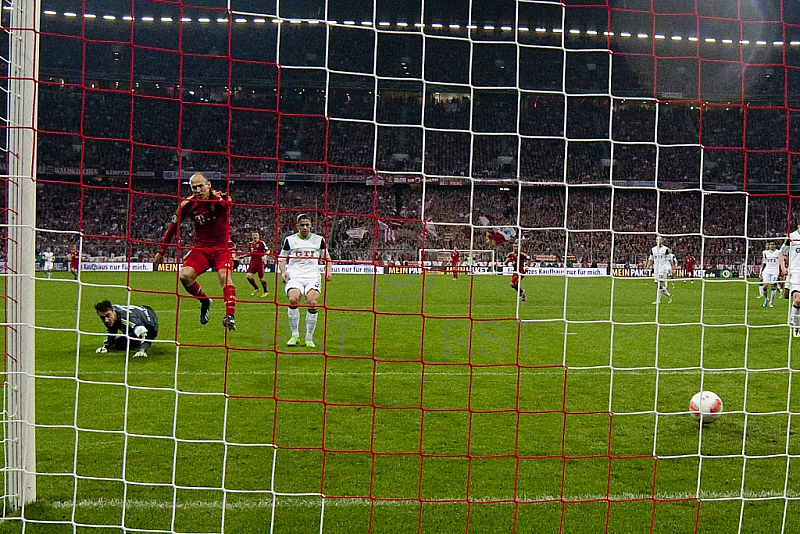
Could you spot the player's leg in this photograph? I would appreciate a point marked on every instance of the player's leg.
(794, 310)
(263, 280)
(515, 284)
(522, 296)
(664, 277)
(223, 261)
(455, 272)
(658, 291)
(312, 297)
(768, 280)
(196, 263)
(251, 280)
(294, 292)
(773, 289)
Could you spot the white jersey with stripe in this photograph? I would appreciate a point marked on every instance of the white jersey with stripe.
(771, 262)
(791, 248)
(660, 257)
(302, 256)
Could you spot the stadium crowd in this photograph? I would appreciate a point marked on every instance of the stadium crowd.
(575, 174)
(391, 223)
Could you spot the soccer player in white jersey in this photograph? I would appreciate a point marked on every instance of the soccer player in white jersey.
(663, 263)
(791, 251)
(298, 264)
(47, 261)
(770, 272)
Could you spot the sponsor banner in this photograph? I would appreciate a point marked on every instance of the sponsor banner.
(137, 174)
(558, 271)
(185, 175)
(361, 268)
(403, 269)
(67, 171)
(115, 266)
(634, 272)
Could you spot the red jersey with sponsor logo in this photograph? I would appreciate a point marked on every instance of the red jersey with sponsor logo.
(257, 251)
(211, 219)
(523, 260)
(455, 256)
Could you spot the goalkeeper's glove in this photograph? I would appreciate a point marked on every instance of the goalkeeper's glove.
(101, 350)
(140, 354)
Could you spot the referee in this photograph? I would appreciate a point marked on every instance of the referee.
(137, 325)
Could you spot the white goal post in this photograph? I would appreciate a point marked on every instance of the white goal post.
(19, 409)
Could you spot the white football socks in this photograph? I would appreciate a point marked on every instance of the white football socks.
(294, 321)
(311, 324)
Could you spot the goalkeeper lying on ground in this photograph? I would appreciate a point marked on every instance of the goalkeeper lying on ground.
(138, 324)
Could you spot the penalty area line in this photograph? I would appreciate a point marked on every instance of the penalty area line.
(238, 501)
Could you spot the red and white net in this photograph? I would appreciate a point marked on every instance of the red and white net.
(580, 130)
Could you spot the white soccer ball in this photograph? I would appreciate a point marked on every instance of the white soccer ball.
(705, 406)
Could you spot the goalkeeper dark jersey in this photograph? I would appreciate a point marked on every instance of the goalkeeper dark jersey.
(139, 324)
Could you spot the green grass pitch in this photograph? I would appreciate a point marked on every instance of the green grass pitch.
(431, 405)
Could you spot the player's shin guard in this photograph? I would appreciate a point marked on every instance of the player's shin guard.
(194, 290)
(229, 293)
(294, 321)
(311, 322)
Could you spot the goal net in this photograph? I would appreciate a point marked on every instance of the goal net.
(468, 260)
(583, 133)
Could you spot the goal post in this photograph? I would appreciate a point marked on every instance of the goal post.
(20, 333)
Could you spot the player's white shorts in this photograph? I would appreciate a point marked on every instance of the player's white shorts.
(661, 276)
(304, 285)
(48, 266)
(793, 282)
(770, 278)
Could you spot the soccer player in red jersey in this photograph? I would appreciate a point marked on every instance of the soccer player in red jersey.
(74, 261)
(518, 260)
(689, 267)
(455, 258)
(258, 252)
(210, 212)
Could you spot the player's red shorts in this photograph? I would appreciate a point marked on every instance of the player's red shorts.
(202, 259)
(254, 268)
(73, 265)
(515, 278)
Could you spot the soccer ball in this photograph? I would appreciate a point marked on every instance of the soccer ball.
(705, 406)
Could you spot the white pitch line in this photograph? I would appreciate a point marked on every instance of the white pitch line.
(305, 501)
(428, 372)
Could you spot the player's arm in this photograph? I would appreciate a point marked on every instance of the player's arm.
(108, 341)
(282, 258)
(141, 324)
(171, 234)
(783, 258)
(324, 256)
